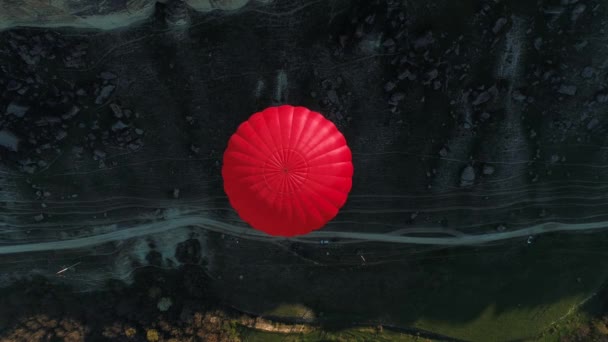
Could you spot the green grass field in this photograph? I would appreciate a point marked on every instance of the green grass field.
(506, 292)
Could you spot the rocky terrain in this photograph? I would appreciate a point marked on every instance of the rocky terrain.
(478, 124)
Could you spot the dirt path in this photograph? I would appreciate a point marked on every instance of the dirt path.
(248, 233)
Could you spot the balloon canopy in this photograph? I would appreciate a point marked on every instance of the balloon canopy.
(287, 170)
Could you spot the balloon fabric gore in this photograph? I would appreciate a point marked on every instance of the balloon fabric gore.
(287, 170)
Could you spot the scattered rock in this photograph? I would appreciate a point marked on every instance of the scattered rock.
(588, 72)
(483, 97)
(581, 45)
(468, 176)
(424, 41)
(70, 113)
(389, 42)
(23, 91)
(105, 92)
(407, 74)
(176, 13)
(593, 123)
(164, 304)
(9, 140)
(601, 97)
(116, 110)
(16, 109)
(106, 75)
(431, 75)
(47, 121)
(518, 96)
(397, 97)
(76, 59)
(567, 89)
(488, 170)
(500, 23)
(77, 150)
(60, 135)
(29, 169)
(333, 96)
(577, 11)
(119, 125)
(99, 154)
(538, 43)
(13, 85)
(135, 145)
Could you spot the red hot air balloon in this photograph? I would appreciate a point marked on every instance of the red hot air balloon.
(287, 170)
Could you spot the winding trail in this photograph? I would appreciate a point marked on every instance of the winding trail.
(249, 233)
